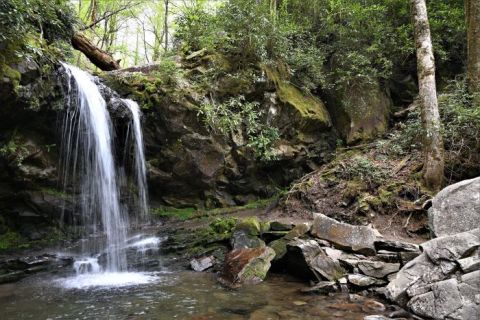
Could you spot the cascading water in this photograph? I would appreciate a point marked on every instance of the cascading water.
(88, 162)
(88, 134)
(140, 170)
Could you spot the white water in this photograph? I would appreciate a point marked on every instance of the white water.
(139, 160)
(144, 245)
(89, 161)
(107, 280)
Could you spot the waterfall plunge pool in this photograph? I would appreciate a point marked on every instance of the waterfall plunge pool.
(171, 295)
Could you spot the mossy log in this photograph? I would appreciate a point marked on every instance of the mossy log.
(97, 56)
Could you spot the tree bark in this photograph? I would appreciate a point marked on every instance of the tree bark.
(472, 14)
(165, 27)
(97, 56)
(433, 165)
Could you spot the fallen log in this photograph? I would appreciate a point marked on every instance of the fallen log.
(97, 56)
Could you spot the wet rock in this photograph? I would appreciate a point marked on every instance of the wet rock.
(360, 280)
(202, 264)
(345, 236)
(378, 269)
(352, 307)
(375, 317)
(456, 208)
(396, 246)
(246, 266)
(267, 313)
(371, 305)
(310, 254)
(12, 276)
(322, 287)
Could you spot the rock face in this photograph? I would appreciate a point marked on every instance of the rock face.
(360, 112)
(435, 285)
(356, 238)
(189, 165)
(246, 266)
(456, 208)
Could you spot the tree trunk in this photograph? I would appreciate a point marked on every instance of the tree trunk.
(165, 27)
(433, 165)
(472, 14)
(98, 57)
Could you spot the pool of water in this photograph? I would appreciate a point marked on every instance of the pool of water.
(171, 295)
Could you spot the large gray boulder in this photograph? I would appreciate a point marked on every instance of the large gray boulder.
(309, 255)
(345, 236)
(444, 281)
(456, 208)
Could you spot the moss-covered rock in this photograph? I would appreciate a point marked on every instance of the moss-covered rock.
(250, 225)
(360, 112)
(246, 266)
(311, 110)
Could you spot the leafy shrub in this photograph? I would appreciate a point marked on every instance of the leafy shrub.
(239, 117)
(361, 168)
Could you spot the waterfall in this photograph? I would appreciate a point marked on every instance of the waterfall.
(140, 170)
(89, 161)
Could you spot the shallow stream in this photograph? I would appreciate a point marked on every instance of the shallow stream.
(167, 295)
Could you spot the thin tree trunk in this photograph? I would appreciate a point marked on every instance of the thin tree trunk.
(472, 14)
(433, 166)
(165, 27)
(97, 56)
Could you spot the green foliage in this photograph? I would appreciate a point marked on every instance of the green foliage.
(461, 132)
(239, 117)
(171, 212)
(51, 20)
(223, 225)
(363, 169)
(461, 121)
(14, 150)
(10, 240)
(326, 43)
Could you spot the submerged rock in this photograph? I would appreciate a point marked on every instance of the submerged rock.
(456, 208)
(322, 287)
(361, 280)
(246, 266)
(202, 264)
(356, 238)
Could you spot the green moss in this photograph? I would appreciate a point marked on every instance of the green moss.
(250, 225)
(308, 106)
(55, 192)
(171, 212)
(10, 240)
(280, 248)
(223, 225)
